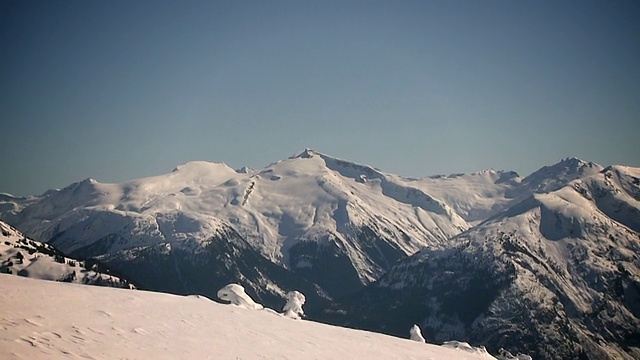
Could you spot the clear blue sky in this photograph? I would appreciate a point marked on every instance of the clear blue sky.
(117, 90)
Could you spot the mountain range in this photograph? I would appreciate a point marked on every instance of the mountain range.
(546, 264)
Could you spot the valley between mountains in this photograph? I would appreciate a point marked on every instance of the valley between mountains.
(547, 264)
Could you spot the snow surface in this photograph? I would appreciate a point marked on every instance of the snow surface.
(463, 346)
(57, 320)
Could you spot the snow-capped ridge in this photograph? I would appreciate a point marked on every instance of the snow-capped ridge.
(26, 257)
(305, 154)
(568, 165)
(550, 178)
(345, 167)
(245, 170)
(203, 166)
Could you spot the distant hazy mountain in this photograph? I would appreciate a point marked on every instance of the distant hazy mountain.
(336, 231)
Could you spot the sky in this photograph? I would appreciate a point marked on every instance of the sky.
(118, 90)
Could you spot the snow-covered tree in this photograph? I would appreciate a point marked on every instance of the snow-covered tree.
(236, 295)
(416, 334)
(293, 307)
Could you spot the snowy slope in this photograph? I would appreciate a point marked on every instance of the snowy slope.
(556, 275)
(475, 196)
(29, 258)
(100, 323)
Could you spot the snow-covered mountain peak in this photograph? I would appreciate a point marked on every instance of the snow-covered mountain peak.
(245, 170)
(570, 165)
(486, 171)
(491, 175)
(573, 161)
(305, 154)
(620, 170)
(203, 167)
(550, 178)
(86, 183)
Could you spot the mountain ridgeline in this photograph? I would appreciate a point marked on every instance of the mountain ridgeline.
(547, 264)
(26, 257)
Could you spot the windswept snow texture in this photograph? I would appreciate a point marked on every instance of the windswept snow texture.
(29, 258)
(59, 321)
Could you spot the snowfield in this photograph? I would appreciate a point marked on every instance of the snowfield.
(42, 319)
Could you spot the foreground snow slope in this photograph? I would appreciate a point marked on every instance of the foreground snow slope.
(55, 320)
